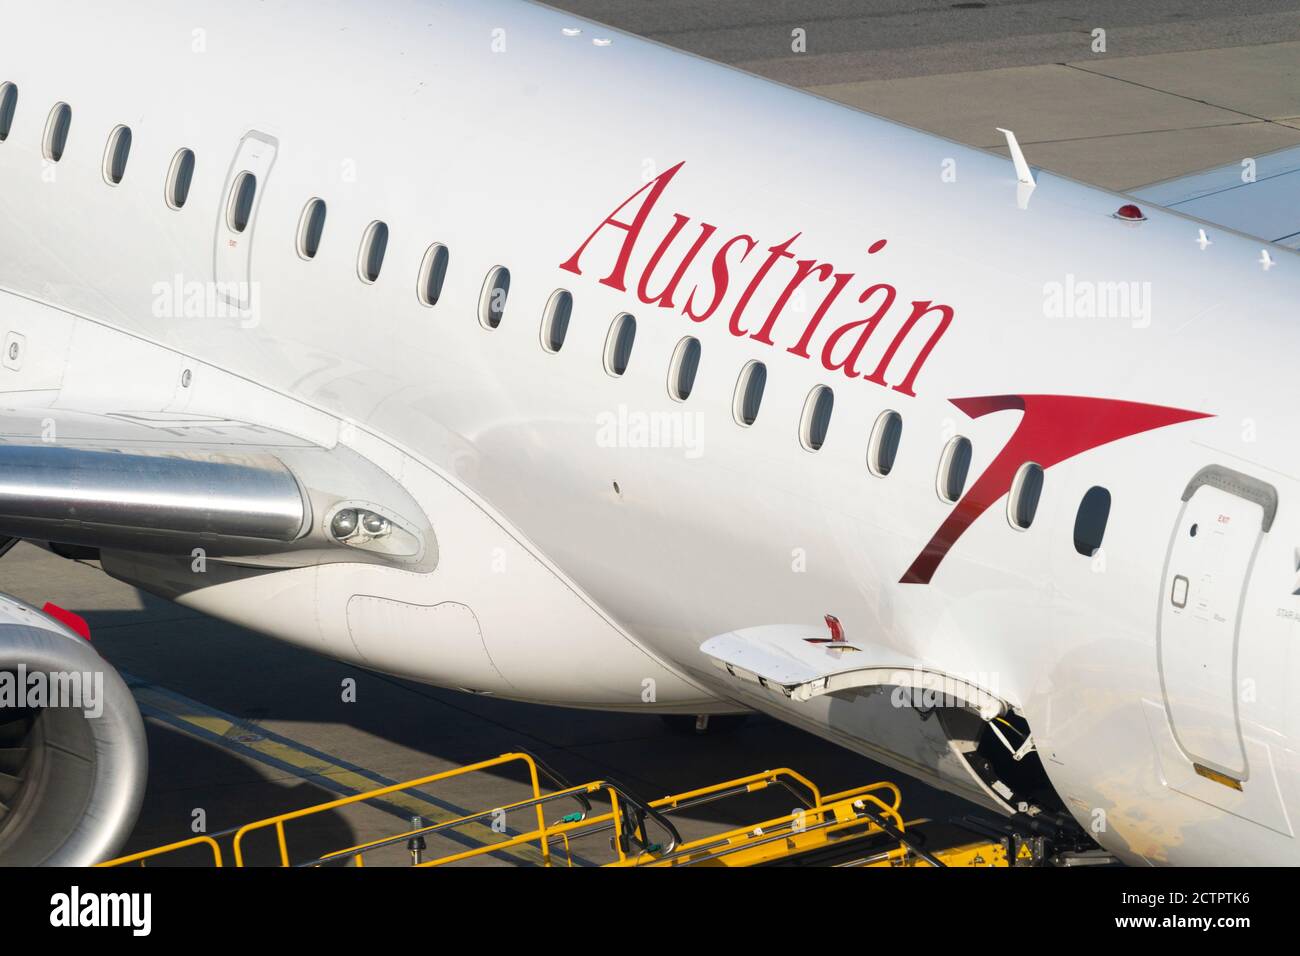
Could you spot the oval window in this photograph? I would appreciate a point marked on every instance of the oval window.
(555, 320)
(618, 344)
(1090, 522)
(311, 227)
(370, 259)
(882, 450)
(492, 301)
(433, 272)
(57, 126)
(179, 177)
(240, 207)
(8, 106)
(816, 419)
(954, 467)
(749, 393)
(1022, 502)
(116, 154)
(683, 367)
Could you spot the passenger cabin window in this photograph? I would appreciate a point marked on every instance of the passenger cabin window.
(555, 320)
(370, 258)
(311, 228)
(56, 132)
(882, 448)
(683, 367)
(954, 467)
(179, 177)
(239, 208)
(8, 106)
(816, 419)
(1022, 502)
(116, 154)
(492, 301)
(433, 272)
(618, 344)
(1090, 522)
(749, 393)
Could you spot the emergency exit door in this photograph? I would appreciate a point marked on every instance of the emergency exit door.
(1223, 518)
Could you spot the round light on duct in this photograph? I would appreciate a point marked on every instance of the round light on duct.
(372, 523)
(344, 524)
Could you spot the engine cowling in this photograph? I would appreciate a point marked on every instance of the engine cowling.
(73, 757)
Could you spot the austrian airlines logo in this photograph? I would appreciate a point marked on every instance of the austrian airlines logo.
(841, 350)
(1054, 428)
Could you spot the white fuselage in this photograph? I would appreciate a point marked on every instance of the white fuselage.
(594, 530)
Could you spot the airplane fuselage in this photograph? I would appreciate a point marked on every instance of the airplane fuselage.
(593, 529)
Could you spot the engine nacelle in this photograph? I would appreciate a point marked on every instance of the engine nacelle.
(73, 758)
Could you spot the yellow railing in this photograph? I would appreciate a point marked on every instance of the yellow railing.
(562, 832)
(558, 831)
(278, 822)
(541, 835)
(811, 819)
(814, 825)
(820, 821)
(169, 848)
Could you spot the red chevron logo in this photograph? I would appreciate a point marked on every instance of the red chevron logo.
(1054, 428)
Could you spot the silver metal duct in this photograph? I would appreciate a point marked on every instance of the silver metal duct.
(61, 493)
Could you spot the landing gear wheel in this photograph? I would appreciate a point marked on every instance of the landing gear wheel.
(687, 724)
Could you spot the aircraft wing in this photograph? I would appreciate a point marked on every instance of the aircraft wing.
(1259, 196)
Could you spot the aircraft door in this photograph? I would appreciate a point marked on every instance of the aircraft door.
(237, 217)
(1223, 518)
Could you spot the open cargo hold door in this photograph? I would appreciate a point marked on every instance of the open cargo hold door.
(805, 662)
(896, 705)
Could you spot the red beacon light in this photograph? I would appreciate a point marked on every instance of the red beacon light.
(1130, 213)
